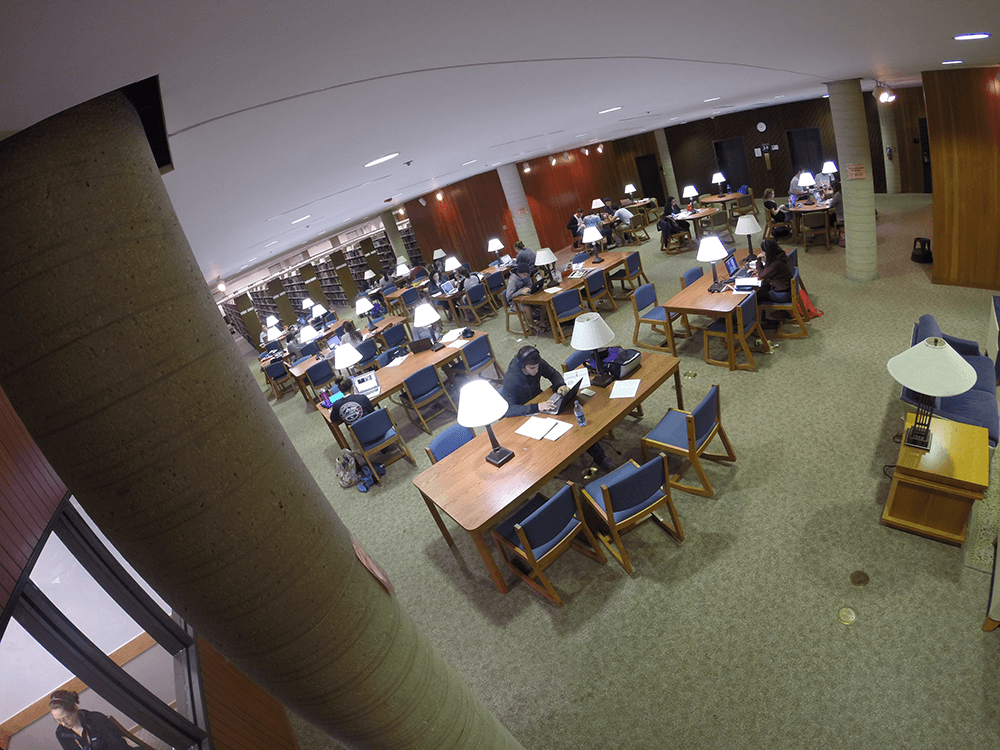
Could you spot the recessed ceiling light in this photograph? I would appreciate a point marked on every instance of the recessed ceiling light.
(605, 111)
(826, 96)
(780, 96)
(382, 159)
(974, 35)
(467, 163)
(579, 135)
(674, 118)
(252, 259)
(713, 99)
(274, 242)
(303, 218)
(952, 62)
(440, 196)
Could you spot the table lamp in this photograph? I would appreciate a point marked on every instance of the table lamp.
(829, 167)
(592, 236)
(718, 179)
(747, 225)
(364, 306)
(438, 254)
(494, 246)
(806, 180)
(546, 259)
(931, 369)
(401, 268)
(479, 404)
(369, 275)
(690, 192)
(345, 356)
(629, 189)
(273, 334)
(425, 316)
(596, 203)
(307, 334)
(307, 304)
(711, 250)
(591, 332)
(318, 310)
(451, 264)
(271, 321)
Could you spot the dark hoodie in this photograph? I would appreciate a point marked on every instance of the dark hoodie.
(519, 389)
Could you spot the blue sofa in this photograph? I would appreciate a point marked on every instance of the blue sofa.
(976, 406)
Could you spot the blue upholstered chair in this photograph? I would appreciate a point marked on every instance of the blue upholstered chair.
(568, 306)
(319, 375)
(575, 360)
(474, 300)
(793, 307)
(476, 356)
(647, 311)
(388, 355)
(688, 434)
(421, 388)
(626, 497)
(394, 336)
(596, 287)
(369, 354)
(310, 350)
(448, 442)
(494, 287)
(279, 378)
(376, 432)
(793, 258)
(747, 321)
(539, 532)
(691, 275)
(409, 299)
(580, 257)
(632, 272)
(273, 346)
(419, 273)
(330, 317)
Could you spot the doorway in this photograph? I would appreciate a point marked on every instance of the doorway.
(806, 149)
(649, 178)
(732, 160)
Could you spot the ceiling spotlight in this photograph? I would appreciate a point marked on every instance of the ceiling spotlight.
(553, 161)
(600, 148)
(221, 285)
(970, 37)
(883, 93)
(439, 196)
(525, 167)
(586, 151)
(381, 159)
(422, 202)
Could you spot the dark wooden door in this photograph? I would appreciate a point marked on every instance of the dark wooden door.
(731, 157)
(806, 148)
(649, 178)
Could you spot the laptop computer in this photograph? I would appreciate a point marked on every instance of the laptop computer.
(505, 260)
(366, 384)
(537, 286)
(448, 288)
(733, 267)
(420, 345)
(565, 401)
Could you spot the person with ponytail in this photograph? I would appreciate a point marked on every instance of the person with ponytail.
(83, 730)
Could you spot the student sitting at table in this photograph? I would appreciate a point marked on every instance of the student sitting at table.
(669, 225)
(351, 335)
(522, 383)
(776, 276)
(575, 226)
(594, 220)
(793, 186)
(519, 285)
(350, 408)
(836, 203)
(622, 220)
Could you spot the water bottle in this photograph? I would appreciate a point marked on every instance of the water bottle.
(581, 418)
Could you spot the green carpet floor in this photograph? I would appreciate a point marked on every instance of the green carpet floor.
(731, 638)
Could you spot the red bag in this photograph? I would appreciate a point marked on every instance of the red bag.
(807, 306)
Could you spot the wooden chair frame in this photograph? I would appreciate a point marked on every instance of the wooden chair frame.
(716, 224)
(593, 297)
(517, 312)
(675, 238)
(693, 453)
(276, 384)
(770, 225)
(664, 327)
(472, 308)
(405, 451)
(795, 308)
(411, 404)
(635, 226)
(640, 274)
(605, 511)
(740, 334)
(736, 210)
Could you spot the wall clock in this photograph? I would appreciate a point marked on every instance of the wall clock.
(761, 126)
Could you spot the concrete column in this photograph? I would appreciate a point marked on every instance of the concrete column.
(517, 201)
(887, 124)
(851, 131)
(395, 238)
(141, 403)
(669, 180)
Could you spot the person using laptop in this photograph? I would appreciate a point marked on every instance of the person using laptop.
(776, 276)
(350, 408)
(519, 285)
(522, 383)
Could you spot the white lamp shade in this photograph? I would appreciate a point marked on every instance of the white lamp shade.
(363, 305)
(451, 264)
(711, 249)
(933, 368)
(307, 334)
(590, 234)
(271, 321)
(829, 167)
(591, 332)
(545, 256)
(690, 192)
(747, 224)
(806, 179)
(494, 245)
(717, 177)
(402, 269)
(597, 203)
(307, 304)
(273, 334)
(438, 254)
(479, 404)
(318, 310)
(345, 355)
(369, 274)
(629, 189)
(425, 315)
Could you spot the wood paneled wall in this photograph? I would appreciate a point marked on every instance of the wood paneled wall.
(471, 212)
(963, 123)
(241, 716)
(909, 108)
(554, 192)
(692, 147)
(30, 493)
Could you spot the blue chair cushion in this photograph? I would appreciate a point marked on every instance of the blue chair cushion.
(654, 313)
(634, 504)
(718, 325)
(432, 393)
(542, 540)
(299, 361)
(560, 314)
(671, 430)
(379, 440)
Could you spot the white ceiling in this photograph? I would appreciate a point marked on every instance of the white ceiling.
(273, 108)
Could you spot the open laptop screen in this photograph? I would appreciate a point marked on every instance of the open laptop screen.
(732, 265)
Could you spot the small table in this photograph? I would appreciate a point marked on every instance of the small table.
(723, 199)
(694, 216)
(933, 491)
(805, 208)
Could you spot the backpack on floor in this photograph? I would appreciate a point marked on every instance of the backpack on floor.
(807, 305)
(347, 469)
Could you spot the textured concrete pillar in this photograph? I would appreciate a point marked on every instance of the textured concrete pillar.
(395, 238)
(134, 390)
(669, 180)
(853, 150)
(887, 124)
(517, 201)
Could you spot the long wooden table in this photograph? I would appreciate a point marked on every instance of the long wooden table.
(477, 495)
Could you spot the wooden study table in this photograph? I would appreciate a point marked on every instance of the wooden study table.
(806, 208)
(933, 491)
(695, 216)
(477, 494)
(390, 379)
(723, 199)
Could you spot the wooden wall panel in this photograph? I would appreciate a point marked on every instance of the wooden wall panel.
(909, 108)
(241, 716)
(471, 212)
(963, 124)
(554, 192)
(30, 492)
(692, 147)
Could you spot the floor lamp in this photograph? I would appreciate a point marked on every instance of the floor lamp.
(479, 405)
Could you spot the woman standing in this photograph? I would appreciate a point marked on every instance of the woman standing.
(83, 730)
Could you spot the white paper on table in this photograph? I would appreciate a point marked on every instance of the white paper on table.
(559, 429)
(436, 294)
(457, 343)
(576, 266)
(625, 389)
(536, 427)
(398, 361)
(451, 335)
(553, 289)
(580, 373)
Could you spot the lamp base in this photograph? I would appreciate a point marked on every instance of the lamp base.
(500, 456)
(598, 259)
(717, 286)
(602, 380)
(919, 439)
(437, 347)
